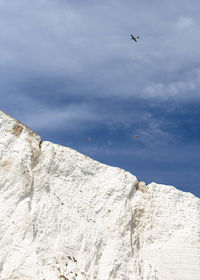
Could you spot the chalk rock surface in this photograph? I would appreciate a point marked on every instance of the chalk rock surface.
(66, 216)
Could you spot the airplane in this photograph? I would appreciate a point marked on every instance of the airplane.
(134, 38)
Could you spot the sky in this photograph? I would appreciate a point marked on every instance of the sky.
(70, 71)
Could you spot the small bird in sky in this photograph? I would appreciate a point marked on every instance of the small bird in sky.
(134, 38)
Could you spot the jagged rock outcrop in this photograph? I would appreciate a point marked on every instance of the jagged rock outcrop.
(66, 216)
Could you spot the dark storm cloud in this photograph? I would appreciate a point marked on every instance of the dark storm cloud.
(91, 41)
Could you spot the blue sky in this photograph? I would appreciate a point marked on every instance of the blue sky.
(69, 70)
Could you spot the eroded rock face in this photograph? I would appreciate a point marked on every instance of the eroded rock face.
(66, 216)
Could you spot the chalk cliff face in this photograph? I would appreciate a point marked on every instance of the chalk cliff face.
(66, 216)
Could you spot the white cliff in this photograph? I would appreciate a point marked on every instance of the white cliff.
(66, 216)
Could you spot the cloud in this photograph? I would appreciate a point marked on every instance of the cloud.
(91, 42)
(69, 117)
(185, 23)
(186, 87)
